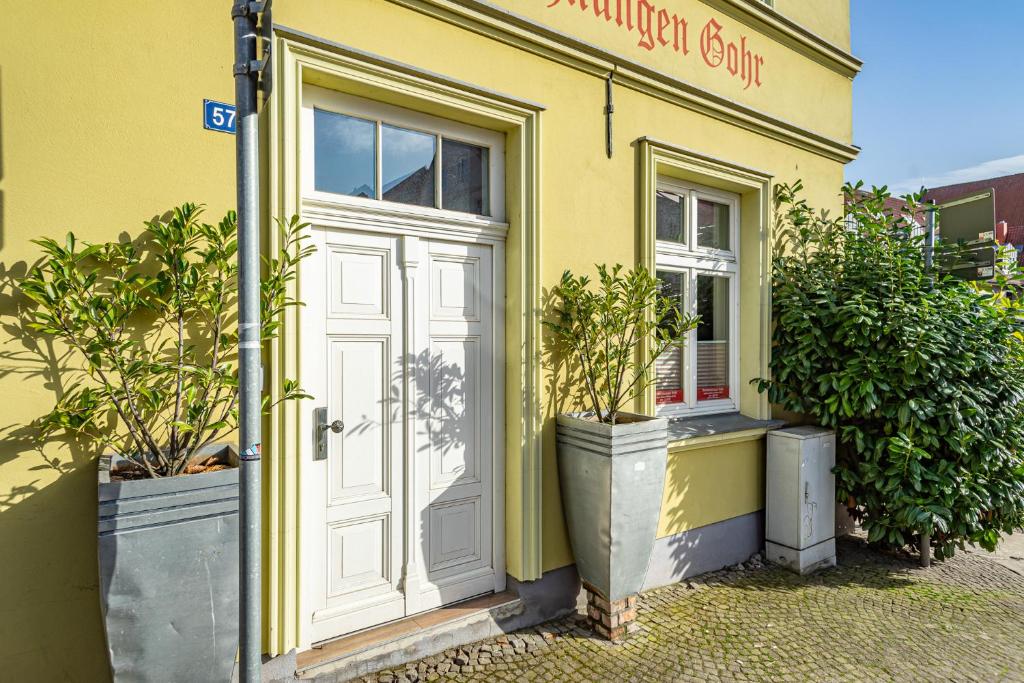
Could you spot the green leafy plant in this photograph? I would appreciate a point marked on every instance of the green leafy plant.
(153, 324)
(921, 374)
(604, 327)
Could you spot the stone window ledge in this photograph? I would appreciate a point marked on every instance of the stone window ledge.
(706, 429)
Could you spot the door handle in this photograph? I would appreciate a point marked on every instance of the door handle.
(337, 427)
(321, 427)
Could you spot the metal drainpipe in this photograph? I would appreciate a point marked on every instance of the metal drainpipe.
(929, 236)
(609, 111)
(246, 69)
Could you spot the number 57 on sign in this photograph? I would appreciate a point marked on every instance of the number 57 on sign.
(219, 116)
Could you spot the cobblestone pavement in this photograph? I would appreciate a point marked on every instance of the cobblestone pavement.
(874, 618)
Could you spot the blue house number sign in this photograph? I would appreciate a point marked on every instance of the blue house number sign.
(219, 116)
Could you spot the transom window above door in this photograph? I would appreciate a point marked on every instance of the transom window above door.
(697, 264)
(363, 151)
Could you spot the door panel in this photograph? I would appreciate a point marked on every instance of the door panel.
(455, 534)
(358, 459)
(455, 492)
(358, 282)
(357, 536)
(453, 422)
(405, 324)
(357, 553)
(454, 285)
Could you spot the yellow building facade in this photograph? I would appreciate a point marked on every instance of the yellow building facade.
(555, 134)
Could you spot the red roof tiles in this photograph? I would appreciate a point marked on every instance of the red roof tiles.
(1009, 196)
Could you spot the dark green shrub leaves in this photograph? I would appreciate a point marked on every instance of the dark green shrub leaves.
(921, 375)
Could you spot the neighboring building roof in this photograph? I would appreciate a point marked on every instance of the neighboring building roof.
(1015, 235)
(1009, 196)
(1009, 204)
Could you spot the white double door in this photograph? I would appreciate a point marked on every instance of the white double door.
(399, 509)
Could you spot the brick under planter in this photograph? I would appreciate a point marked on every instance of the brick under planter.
(612, 619)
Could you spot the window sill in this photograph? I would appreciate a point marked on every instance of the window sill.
(704, 430)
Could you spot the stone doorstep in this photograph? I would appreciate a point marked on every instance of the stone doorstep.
(409, 639)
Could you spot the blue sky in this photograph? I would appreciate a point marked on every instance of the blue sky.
(941, 97)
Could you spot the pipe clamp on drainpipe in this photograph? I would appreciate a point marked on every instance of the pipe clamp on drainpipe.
(254, 66)
(244, 9)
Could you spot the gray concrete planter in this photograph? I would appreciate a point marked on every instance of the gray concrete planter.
(168, 555)
(613, 479)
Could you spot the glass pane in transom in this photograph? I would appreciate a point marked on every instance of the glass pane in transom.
(668, 367)
(712, 224)
(671, 217)
(408, 166)
(712, 338)
(345, 154)
(464, 177)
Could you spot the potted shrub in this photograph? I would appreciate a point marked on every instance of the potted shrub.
(150, 331)
(611, 462)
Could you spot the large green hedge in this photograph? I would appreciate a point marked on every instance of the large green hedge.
(921, 375)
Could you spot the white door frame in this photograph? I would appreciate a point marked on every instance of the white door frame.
(328, 212)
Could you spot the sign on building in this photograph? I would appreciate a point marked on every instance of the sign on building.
(219, 116)
(967, 228)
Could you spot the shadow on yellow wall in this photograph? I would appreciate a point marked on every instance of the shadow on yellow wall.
(564, 391)
(675, 514)
(1, 159)
(47, 527)
(707, 485)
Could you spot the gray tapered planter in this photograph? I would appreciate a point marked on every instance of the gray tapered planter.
(612, 479)
(168, 555)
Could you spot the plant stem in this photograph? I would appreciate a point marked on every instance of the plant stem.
(173, 450)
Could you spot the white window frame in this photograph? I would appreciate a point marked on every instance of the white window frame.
(386, 114)
(692, 261)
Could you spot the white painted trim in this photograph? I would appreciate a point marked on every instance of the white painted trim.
(693, 193)
(314, 97)
(386, 217)
(411, 250)
(660, 159)
(692, 261)
(486, 579)
(498, 415)
(410, 224)
(300, 59)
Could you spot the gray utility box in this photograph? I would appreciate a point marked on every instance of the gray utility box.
(800, 499)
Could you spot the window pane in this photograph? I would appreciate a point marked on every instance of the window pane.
(668, 368)
(464, 178)
(671, 210)
(712, 337)
(712, 225)
(345, 154)
(407, 166)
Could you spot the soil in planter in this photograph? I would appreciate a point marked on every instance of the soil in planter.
(133, 472)
(621, 419)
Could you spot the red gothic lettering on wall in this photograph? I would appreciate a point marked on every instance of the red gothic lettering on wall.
(659, 28)
(739, 61)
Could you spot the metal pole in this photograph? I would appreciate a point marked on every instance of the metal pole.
(926, 549)
(609, 111)
(245, 71)
(929, 235)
